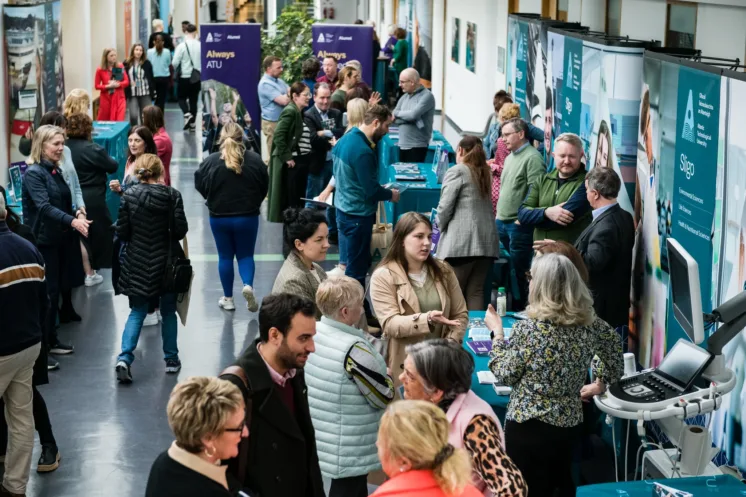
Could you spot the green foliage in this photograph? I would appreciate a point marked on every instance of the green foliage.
(291, 41)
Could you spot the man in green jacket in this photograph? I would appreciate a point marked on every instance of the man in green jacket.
(556, 205)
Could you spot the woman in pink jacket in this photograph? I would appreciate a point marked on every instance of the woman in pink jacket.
(440, 371)
(416, 456)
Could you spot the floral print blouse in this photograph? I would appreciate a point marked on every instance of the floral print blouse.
(547, 364)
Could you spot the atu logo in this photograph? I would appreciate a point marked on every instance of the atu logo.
(209, 38)
(325, 38)
(687, 133)
(568, 76)
(687, 166)
(568, 106)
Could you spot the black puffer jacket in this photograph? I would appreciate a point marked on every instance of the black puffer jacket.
(143, 225)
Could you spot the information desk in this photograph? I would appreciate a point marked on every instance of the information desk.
(698, 486)
(418, 197)
(499, 403)
(112, 136)
(388, 149)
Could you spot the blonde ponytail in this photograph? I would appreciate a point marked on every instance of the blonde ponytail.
(232, 148)
(418, 431)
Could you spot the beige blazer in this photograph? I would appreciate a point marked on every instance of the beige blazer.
(294, 277)
(398, 310)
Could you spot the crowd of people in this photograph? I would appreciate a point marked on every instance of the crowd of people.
(359, 370)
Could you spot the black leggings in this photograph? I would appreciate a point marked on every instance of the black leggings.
(41, 421)
(544, 454)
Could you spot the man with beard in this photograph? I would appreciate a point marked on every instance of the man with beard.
(358, 191)
(281, 447)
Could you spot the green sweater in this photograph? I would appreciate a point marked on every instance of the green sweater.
(401, 50)
(521, 170)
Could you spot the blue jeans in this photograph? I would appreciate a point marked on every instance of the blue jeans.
(518, 241)
(355, 233)
(315, 185)
(133, 326)
(235, 237)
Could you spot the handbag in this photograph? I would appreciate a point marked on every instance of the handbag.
(383, 234)
(196, 76)
(178, 276)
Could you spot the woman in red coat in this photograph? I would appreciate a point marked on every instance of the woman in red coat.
(111, 80)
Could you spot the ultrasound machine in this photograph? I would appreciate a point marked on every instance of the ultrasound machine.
(691, 380)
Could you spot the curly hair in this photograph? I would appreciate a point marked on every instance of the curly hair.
(79, 125)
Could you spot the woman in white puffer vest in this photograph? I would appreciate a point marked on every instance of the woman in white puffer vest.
(348, 389)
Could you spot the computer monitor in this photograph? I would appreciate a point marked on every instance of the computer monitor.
(685, 291)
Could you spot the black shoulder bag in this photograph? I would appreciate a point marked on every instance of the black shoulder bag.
(196, 76)
(178, 276)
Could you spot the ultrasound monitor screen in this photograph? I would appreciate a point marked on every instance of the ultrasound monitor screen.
(680, 287)
(683, 363)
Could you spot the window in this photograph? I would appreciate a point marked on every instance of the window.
(562, 7)
(513, 6)
(681, 25)
(613, 17)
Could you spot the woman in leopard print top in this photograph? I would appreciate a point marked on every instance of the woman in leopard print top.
(439, 371)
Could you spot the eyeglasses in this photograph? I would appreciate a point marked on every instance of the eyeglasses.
(236, 430)
(528, 276)
(404, 81)
(505, 135)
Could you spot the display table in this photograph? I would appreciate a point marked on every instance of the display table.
(112, 136)
(388, 148)
(499, 403)
(698, 486)
(419, 197)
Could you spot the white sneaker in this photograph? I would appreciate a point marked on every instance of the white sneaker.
(248, 294)
(93, 280)
(337, 271)
(150, 320)
(226, 303)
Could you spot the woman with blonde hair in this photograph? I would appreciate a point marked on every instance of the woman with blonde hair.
(77, 102)
(208, 418)
(234, 182)
(151, 222)
(468, 236)
(48, 210)
(111, 80)
(545, 362)
(416, 456)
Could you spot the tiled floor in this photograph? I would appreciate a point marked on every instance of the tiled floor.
(108, 434)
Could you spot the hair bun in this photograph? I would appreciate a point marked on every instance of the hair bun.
(291, 215)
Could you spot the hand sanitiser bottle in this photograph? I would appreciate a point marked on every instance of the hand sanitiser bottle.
(502, 301)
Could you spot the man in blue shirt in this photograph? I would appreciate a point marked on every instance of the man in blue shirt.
(358, 191)
(273, 97)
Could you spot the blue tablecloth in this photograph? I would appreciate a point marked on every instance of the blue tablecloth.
(113, 137)
(723, 485)
(388, 149)
(499, 403)
(419, 197)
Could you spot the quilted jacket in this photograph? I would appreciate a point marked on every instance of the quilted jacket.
(144, 213)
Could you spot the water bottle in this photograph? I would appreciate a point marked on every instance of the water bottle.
(502, 301)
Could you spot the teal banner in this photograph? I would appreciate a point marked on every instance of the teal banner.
(570, 91)
(695, 175)
(521, 72)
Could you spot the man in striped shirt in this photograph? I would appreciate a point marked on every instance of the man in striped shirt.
(23, 308)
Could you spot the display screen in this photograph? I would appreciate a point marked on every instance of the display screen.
(680, 288)
(683, 363)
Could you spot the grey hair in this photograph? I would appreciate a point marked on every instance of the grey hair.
(557, 293)
(605, 181)
(443, 365)
(572, 139)
(336, 293)
(518, 125)
(3, 214)
(158, 23)
(320, 86)
(413, 73)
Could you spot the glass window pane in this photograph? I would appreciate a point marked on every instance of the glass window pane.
(682, 22)
(614, 17)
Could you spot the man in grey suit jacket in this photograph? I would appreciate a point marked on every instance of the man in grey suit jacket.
(606, 246)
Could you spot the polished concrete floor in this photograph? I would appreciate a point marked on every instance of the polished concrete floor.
(109, 435)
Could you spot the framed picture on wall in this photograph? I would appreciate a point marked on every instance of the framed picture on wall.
(471, 47)
(456, 39)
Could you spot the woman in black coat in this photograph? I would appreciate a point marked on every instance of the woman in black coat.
(141, 90)
(47, 207)
(93, 164)
(151, 222)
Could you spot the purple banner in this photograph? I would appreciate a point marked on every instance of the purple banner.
(345, 42)
(230, 72)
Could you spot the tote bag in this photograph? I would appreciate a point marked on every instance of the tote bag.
(383, 234)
